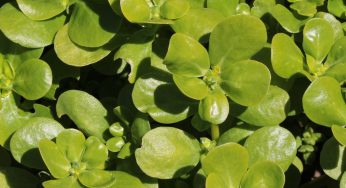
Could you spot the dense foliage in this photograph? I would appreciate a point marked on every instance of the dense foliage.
(172, 93)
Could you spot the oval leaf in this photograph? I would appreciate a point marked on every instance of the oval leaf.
(71, 143)
(86, 112)
(24, 142)
(229, 162)
(264, 174)
(33, 79)
(167, 153)
(266, 144)
(236, 38)
(96, 178)
(186, 57)
(245, 82)
(214, 108)
(287, 59)
(26, 32)
(42, 10)
(194, 88)
(95, 153)
(339, 134)
(323, 102)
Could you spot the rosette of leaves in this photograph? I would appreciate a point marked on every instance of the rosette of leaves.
(323, 63)
(210, 77)
(78, 162)
(259, 163)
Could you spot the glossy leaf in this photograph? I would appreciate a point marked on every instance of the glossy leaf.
(186, 57)
(332, 157)
(11, 118)
(74, 55)
(167, 153)
(214, 181)
(229, 162)
(125, 180)
(339, 134)
(318, 38)
(115, 144)
(194, 88)
(68, 182)
(42, 10)
(323, 102)
(207, 19)
(214, 108)
(26, 32)
(135, 10)
(337, 71)
(287, 19)
(236, 38)
(16, 54)
(337, 7)
(96, 178)
(237, 134)
(87, 112)
(71, 143)
(270, 111)
(102, 24)
(139, 127)
(304, 8)
(24, 142)
(150, 94)
(55, 160)
(337, 52)
(33, 79)
(226, 7)
(287, 59)
(95, 153)
(13, 177)
(335, 23)
(264, 174)
(249, 87)
(266, 144)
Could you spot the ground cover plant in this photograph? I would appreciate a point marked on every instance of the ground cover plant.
(172, 94)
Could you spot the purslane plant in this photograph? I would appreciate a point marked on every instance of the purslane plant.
(172, 93)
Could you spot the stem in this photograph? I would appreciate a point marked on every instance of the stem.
(215, 132)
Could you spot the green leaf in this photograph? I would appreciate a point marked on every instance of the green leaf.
(42, 10)
(167, 153)
(24, 142)
(287, 19)
(332, 159)
(226, 7)
(245, 82)
(136, 52)
(68, 182)
(26, 32)
(135, 10)
(125, 180)
(86, 112)
(115, 144)
(156, 94)
(12, 118)
(287, 59)
(13, 177)
(237, 134)
(74, 55)
(339, 134)
(337, 53)
(214, 181)
(323, 102)
(337, 71)
(343, 181)
(266, 144)
(335, 23)
(206, 18)
(55, 159)
(139, 127)
(262, 7)
(304, 8)
(71, 143)
(265, 174)
(96, 178)
(236, 38)
(102, 24)
(229, 162)
(33, 79)
(194, 88)
(318, 38)
(214, 108)
(173, 9)
(95, 153)
(337, 7)
(16, 54)
(186, 57)
(270, 111)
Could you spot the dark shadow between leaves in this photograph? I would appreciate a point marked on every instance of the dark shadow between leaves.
(183, 171)
(33, 157)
